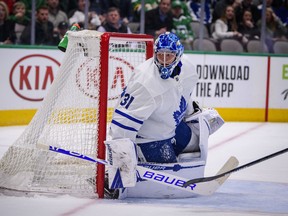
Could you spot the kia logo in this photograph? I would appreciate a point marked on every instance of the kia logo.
(32, 75)
(88, 78)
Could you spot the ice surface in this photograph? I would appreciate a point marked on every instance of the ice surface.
(258, 190)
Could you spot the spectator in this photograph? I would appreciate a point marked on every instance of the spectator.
(69, 5)
(275, 29)
(247, 27)
(181, 25)
(125, 9)
(160, 19)
(38, 4)
(62, 28)
(185, 7)
(279, 13)
(247, 5)
(113, 22)
(102, 6)
(226, 26)
(10, 4)
(56, 16)
(281, 10)
(7, 34)
(43, 29)
(195, 11)
(256, 2)
(78, 16)
(268, 4)
(20, 19)
(220, 7)
(136, 5)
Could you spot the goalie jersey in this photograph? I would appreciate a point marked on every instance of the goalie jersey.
(150, 108)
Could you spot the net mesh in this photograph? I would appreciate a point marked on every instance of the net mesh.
(68, 118)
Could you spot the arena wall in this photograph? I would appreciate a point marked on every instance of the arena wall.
(242, 87)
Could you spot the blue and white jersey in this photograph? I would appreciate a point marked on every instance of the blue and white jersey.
(150, 107)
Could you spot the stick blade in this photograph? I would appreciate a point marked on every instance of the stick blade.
(208, 188)
(232, 163)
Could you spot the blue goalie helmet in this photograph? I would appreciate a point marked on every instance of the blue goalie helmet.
(168, 51)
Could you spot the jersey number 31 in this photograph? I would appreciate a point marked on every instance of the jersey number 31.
(126, 100)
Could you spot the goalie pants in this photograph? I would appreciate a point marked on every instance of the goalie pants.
(166, 151)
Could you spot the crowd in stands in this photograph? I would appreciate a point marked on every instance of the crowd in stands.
(239, 20)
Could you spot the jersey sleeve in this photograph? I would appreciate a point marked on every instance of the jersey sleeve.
(135, 106)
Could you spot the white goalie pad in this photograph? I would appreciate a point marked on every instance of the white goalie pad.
(121, 155)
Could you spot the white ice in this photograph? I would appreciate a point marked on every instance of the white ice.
(261, 189)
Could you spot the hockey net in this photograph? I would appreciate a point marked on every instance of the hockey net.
(74, 116)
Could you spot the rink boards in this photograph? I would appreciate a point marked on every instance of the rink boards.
(241, 87)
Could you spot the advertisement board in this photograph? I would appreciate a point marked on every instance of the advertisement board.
(278, 89)
(240, 87)
(234, 84)
(26, 76)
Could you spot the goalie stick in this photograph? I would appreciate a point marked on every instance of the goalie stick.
(205, 188)
(211, 178)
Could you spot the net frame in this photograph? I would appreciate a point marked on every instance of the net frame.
(103, 107)
(104, 59)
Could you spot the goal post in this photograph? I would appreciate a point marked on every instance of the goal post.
(75, 115)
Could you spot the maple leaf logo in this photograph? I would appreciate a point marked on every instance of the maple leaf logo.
(285, 93)
(179, 114)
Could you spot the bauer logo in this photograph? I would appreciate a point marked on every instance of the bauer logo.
(32, 75)
(167, 180)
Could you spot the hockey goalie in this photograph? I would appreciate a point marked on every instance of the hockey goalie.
(156, 124)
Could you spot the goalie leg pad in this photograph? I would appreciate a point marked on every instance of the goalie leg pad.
(122, 156)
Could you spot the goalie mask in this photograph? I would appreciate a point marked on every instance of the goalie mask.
(168, 51)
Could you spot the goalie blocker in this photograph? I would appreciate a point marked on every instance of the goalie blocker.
(121, 155)
(191, 163)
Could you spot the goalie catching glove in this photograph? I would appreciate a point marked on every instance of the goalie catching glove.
(122, 158)
(202, 123)
(210, 115)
